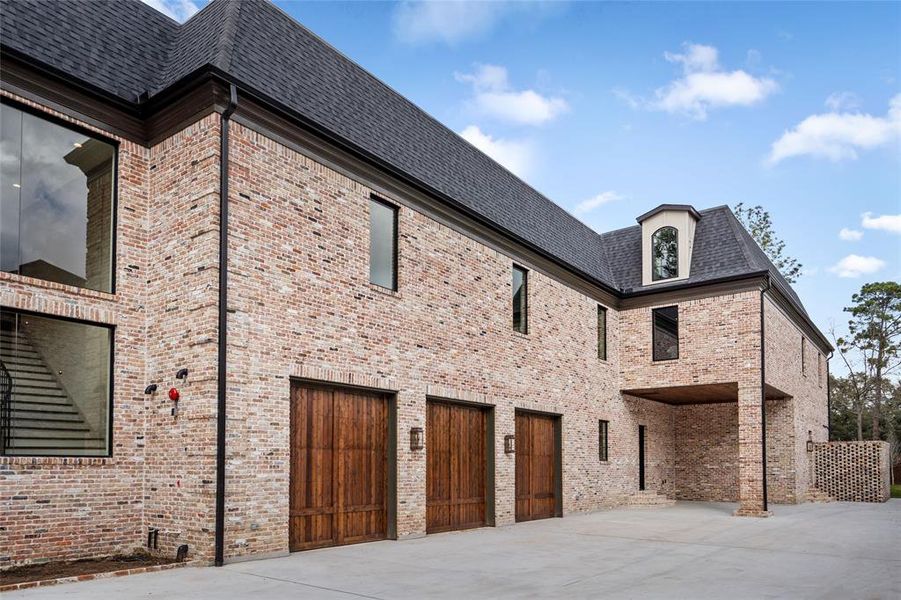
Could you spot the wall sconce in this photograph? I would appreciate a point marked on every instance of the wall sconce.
(810, 441)
(416, 440)
(509, 444)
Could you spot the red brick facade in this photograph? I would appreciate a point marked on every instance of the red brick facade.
(301, 306)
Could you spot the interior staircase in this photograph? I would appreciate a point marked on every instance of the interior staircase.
(649, 498)
(39, 417)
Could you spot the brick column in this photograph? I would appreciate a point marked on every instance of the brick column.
(750, 453)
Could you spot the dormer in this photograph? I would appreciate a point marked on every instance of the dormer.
(667, 239)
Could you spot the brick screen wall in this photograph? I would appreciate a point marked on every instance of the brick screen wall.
(853, 471)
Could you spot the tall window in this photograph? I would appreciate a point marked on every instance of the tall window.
(55, 379)
(520, 300)
(666, 333)
(382, 244)
(602, 332)
(603, 426)
(665, 253)
(803, 355)
(56, 202)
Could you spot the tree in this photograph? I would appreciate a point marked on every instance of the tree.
(873, 343)
(760, 225)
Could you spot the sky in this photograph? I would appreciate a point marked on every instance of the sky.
(610, 109)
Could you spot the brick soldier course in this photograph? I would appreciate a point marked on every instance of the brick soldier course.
(301, 308)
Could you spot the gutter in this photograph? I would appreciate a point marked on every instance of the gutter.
(763, 390)
(223, 324)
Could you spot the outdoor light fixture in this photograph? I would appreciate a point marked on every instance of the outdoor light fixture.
(150, 388)
(182, 374)
(509, 444)
(810, 441)
(416, 441)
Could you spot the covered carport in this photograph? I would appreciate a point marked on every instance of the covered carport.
(718, 453)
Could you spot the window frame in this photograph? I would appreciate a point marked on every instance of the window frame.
(396, 226)
(112, 377)
(524, 313)
(115, 143)
(603, 440)
(602, 334)
(654, 334)
(654, 277)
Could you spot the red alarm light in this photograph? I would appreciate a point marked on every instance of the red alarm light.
(174, 395)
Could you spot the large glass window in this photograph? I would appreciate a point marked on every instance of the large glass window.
(520, 300)
(382, 244)
(602, 332)
(666, 333)
(54, 386)
(665, 253)
(56, 202)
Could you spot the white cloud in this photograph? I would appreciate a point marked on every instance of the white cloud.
(854, 266)
(586, 206)
(849, 235)
(839, 101)
(518, 156)
(838, 135)
(704, 85)
(180, 10)
(890, 223)
(494, 97)
(448, 21)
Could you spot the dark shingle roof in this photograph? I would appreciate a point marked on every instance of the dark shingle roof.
(125, 48)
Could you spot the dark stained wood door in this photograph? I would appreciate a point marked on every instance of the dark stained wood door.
(456, 466)
(536, 466)
(339, 467)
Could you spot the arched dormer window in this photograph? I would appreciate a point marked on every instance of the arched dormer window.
(665, 253)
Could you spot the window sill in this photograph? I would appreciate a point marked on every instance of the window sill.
(61, 287)
(520, 335)
(384, 291)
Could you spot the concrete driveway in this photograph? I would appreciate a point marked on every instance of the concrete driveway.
(692, 550)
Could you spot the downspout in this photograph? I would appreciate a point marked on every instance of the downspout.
(828, 400)
(223, 324)
(763, 390)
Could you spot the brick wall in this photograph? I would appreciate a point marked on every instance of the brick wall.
(59, 508)
(853, 471)
(707, 452)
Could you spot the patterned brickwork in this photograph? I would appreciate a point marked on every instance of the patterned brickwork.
(853, 471)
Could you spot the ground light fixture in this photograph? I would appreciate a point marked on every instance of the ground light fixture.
(416, 438)
(509, 444)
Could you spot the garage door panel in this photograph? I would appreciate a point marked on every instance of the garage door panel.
(536, 466)
(456, 439)
(339, 468)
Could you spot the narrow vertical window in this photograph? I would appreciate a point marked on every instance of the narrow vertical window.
(382, 244)
(602, 440)
(803, 356)
(520, 300)
(819, 368)
(665, 253)
(666, 333)
(602, 332)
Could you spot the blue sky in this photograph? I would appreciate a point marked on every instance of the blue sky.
(610, 109)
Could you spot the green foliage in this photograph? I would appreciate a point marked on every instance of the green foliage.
(896, 491)
(872, 349)
(760, 225)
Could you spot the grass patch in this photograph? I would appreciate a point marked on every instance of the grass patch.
(896, 490)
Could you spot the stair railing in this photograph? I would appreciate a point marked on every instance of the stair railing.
(6, 389)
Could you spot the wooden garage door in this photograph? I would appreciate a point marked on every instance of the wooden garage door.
(536, 466)
(339, 467)
(456, 470)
